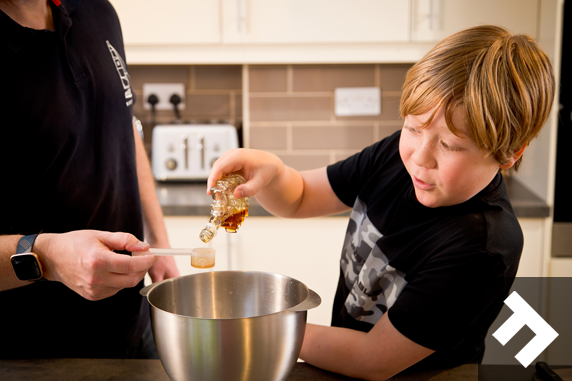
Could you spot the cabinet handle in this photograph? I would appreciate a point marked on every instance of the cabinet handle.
(242, 17)
(431, 15)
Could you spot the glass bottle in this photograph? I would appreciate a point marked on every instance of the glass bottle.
(226, 211)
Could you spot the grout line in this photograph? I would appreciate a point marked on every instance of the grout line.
(333, 101)
(392, 93)
(245, 107)
(289, 80)
(289, 138)
(325, 122)
(282, 94)
(191, 78)
(232, 106)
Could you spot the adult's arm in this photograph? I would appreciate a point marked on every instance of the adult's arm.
(154, 223)
(8, 280)
(84, 260)
(376, 355)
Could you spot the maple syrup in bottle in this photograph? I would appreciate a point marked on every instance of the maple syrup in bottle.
(226, 210)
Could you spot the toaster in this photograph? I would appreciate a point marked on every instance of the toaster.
(187, 152)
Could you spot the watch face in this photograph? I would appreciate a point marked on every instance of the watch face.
(26, 266)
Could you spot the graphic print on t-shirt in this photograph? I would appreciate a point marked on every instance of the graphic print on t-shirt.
(374, 285)
(123, 74)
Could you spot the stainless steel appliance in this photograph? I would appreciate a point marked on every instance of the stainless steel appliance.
(229, 325)
(187, 152)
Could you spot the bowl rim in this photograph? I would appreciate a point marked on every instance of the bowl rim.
(171, 280)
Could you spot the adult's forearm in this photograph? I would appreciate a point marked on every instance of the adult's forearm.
(8, 280)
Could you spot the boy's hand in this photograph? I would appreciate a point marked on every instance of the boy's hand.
(258, 167)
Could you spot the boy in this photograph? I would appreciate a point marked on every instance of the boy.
(432, 245)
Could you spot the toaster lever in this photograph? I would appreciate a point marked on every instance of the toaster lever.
(201, 148)
(185, 147)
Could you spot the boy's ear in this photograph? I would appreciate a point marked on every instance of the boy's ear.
(515, 156)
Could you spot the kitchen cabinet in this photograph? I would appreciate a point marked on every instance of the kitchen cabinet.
(172, 22)
(433, 20)
(312, 22)
(305, 249)
(532, 259)
(302, 32)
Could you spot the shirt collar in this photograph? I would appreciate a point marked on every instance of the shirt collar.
(15, 36)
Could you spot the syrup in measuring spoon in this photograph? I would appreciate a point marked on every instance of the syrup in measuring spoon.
(203, 258)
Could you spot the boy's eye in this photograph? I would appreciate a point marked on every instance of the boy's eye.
(413, 130)
(448, 147)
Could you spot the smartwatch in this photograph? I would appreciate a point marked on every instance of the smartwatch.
(26, 264)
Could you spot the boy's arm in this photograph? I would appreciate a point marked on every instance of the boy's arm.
(377, 355)
(281, 190)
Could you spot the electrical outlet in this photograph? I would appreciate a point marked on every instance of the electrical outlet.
(358, 101)
(163, 91)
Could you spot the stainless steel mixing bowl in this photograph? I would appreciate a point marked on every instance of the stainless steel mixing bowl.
(229, 325)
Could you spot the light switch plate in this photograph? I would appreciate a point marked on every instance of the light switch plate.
(358, 101)
(163, 91)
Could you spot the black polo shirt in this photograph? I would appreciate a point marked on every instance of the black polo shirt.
(67, 160)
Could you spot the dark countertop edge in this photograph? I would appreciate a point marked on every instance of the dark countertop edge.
(73, 369)
(524, 202)
(152, 370)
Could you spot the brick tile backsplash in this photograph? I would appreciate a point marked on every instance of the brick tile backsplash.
(269, 137)
(305, 161)
(328, 77)
(140, 74)
(220, 77)
(290, 107)
(208, 104)
(267, 78)
(331, 137)
(392, 76)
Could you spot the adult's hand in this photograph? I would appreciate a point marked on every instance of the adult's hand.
(84, 261)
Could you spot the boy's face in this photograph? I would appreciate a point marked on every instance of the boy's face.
(445, 169)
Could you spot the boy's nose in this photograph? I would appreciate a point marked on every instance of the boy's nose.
(423, 156)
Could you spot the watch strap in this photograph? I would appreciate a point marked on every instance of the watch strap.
(26, 243)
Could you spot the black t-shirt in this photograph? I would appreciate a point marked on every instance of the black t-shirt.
(441, 274)
(67, 159)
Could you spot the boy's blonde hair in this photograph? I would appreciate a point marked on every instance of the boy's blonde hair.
(504, 83)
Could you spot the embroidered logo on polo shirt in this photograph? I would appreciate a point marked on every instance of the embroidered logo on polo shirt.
(123, 74)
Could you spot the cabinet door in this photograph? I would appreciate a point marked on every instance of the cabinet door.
(433, 20)
(169, 22)
(531, 260)
(315, 21)
(308, 250)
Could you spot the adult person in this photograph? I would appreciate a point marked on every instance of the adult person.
(76, 186)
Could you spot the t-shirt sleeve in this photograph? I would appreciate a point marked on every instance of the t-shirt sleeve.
(348, 177)
(452, 297)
